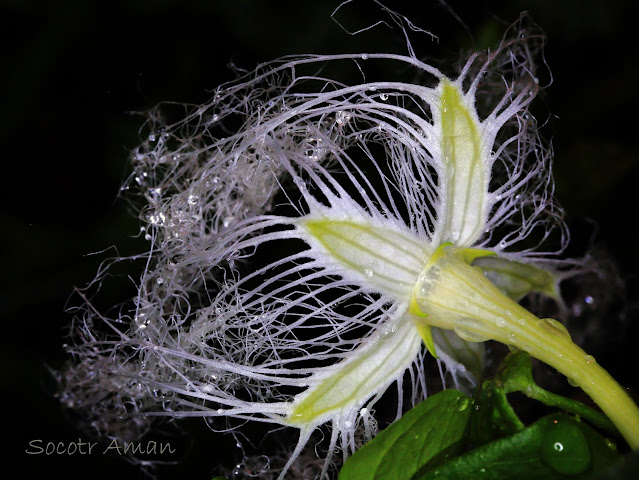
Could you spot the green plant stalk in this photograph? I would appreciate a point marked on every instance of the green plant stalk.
(515, 375)
(571, 406)
(455, 295)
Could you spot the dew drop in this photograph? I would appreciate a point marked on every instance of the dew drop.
(512, 337)
(363, 412)
(192, 199)
(590, 359)
(564, 448)
(364, 57)
(553, 326)
(142, 321)
(368, 272)
(155, 193)
(160, 280)
(501, 322)
(589, 300)
(462, 403)
(157, 219)
(383, 97)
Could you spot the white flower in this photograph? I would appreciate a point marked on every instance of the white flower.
(298, 265)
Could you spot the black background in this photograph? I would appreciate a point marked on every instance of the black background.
(72, 70)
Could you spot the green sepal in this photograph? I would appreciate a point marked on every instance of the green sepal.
(517, 279)
(426, 333)
(471, 254)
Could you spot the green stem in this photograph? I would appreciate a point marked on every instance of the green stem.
(456, 295)
(571, 406)
(515, 375)
(570, 360)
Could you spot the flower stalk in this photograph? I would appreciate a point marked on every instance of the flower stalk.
(452, 294)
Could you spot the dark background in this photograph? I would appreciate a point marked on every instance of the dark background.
(72, 70)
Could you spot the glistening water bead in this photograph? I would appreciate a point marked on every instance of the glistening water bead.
(564, 448)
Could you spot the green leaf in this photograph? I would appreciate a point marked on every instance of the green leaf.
(553, 448)
(410, 442)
